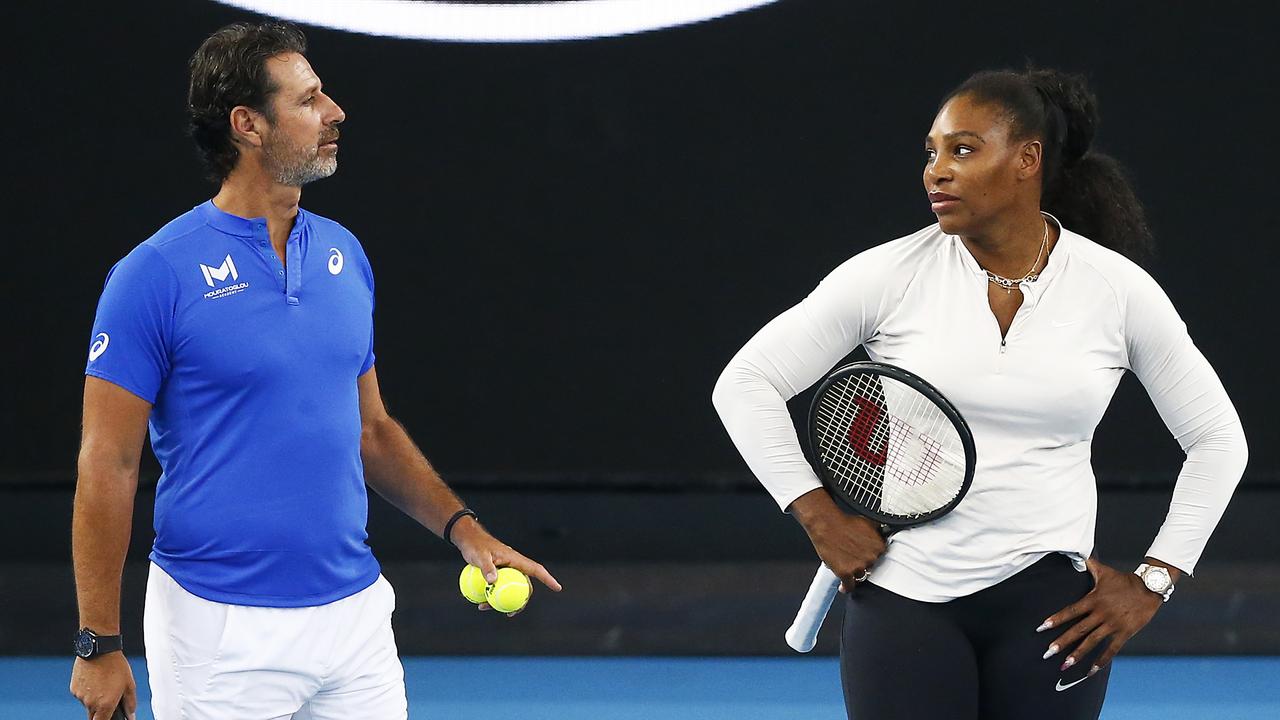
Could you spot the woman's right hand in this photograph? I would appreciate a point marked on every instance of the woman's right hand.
(849, 544)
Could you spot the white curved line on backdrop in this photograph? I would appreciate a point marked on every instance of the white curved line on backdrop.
(497, 22)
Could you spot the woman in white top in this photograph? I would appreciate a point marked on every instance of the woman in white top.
(1024, 307)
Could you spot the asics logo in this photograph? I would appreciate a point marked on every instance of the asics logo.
(99, 346)
(220, 273)
(335, 261)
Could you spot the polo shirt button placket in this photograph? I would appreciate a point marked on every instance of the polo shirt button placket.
(260, 229)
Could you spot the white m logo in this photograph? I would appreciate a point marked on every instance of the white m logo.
(220, 273)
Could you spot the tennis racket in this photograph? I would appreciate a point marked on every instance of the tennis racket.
(887, 445)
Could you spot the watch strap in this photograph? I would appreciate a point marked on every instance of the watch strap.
(108, 643)
(1141, 572)
(90, 645)
(448, 527)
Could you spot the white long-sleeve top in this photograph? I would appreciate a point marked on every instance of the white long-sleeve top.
(1032, 400)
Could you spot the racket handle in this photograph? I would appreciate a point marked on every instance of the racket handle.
(803, 632)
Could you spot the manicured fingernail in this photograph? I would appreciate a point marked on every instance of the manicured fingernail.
(1093, 670)
(1053, 650)
(1070, 661)
(1045, 626)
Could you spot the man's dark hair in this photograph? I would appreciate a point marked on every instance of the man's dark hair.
(229, 69)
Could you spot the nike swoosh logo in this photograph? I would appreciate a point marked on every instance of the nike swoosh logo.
(1060, 687)
(1062, 324)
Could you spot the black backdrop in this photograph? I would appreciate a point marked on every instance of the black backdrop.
(571, 239)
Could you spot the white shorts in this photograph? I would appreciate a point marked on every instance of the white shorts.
(213, 661)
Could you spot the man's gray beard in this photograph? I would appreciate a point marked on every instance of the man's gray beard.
(289, 165)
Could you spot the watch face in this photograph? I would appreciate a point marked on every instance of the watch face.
(1157, 579)
(84, 644)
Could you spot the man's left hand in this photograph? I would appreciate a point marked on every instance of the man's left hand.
(488, 553)
(1115, 610)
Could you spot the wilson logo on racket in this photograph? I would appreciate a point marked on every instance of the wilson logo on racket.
(868, 427)
(864, 428)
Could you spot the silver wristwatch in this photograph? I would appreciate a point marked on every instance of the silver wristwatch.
(1156, 579)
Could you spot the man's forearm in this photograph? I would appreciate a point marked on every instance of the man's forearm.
(101, 523)
(399, 472)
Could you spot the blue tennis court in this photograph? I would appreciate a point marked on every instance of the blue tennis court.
(1149, 688)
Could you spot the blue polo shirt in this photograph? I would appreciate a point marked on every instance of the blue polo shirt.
(251, 366)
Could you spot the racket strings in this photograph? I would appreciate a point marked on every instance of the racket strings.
(856, 483)
(890, 448)
(861, 480)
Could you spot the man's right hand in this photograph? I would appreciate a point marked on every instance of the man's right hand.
(103, 683)
(849, 544)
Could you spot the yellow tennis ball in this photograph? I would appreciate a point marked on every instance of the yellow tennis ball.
(510, 591)
(471, 583)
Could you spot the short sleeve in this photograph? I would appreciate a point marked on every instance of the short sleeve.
(367, 272)
(133, 328)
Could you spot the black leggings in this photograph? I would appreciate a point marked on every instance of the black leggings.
(974, 657)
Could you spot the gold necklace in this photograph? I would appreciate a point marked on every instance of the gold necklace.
(1009, 283)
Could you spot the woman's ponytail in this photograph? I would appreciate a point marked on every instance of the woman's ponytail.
(1088, 191)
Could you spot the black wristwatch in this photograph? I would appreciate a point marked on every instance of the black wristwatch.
(90, 645)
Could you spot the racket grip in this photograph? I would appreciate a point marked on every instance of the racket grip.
(119, 714)
(803, 632)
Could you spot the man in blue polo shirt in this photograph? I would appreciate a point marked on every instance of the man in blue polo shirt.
(241, 334)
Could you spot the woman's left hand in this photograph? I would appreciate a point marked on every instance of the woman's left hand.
(1115, 610)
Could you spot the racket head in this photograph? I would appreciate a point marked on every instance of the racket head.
(855, 434)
